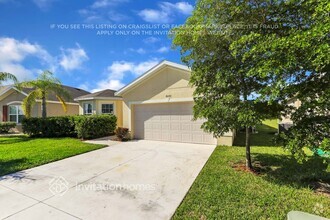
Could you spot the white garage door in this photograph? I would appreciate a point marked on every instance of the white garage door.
(169, 122)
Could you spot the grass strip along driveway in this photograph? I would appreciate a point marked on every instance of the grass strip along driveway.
(21, 152)
(222, 192)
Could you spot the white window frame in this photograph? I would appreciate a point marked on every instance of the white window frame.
(17, 107)
(113, 108)
(87, 113)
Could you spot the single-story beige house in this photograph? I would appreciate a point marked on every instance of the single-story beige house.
(102, 102)
(286, 122)
(11, 101)
(159, 106)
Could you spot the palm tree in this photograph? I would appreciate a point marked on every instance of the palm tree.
(7, 76)
(43, 86)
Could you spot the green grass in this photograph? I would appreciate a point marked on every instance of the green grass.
(21, 152)
(221, 192)
(264, 137)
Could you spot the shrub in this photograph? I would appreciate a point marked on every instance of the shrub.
(6, 126)
(70, 126)
(95, 126)
(122, 133)
(62, 126)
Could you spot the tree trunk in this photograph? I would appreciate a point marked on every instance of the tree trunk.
(248, 163)
(43, 108)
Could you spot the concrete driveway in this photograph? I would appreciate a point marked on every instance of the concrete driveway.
(132, 180)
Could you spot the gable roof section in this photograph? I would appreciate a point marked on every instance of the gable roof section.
(104, 94)
(74, 92)
(150, 73)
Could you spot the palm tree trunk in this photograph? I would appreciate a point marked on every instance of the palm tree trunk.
(44, 108)
(247, 149)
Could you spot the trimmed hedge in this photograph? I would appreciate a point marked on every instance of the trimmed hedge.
(95, 126)
(6, 126)
(82, 126)
(49, 127)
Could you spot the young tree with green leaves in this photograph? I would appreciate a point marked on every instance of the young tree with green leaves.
(225, 94)
(43, 86)
(295, 56)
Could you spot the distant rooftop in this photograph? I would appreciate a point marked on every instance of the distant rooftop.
(74, 92)
(107, 93)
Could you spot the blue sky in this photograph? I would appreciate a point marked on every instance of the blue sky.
(91, 44)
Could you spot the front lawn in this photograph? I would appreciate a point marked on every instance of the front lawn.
(222, 192)
(21, 152)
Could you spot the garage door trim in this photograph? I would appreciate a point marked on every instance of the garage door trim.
(154, 126)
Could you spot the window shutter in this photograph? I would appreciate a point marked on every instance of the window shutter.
(5, 113)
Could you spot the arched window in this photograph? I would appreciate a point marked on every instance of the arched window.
(88, 108)
(15, 113)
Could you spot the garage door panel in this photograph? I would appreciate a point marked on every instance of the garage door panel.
(186, 126)
(165, 118)
(186, 137)
(175, 126)
(169, 122)
(175, 117)
(157, 136)
(166, 136)
(175, 137)
(156, 126)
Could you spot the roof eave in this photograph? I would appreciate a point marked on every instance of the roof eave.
(150, 72)
(98, 98)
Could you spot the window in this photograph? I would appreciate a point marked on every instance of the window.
(107, 108)
(15, 113)
(88, 109)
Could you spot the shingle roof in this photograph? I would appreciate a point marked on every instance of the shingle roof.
(74, 92)
(107, 93)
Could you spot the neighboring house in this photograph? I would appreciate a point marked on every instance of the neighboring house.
(11, 100)
(159, 106)
(102, 102)
(285, 123)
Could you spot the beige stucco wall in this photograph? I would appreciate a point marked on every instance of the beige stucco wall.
(97, 108)
(15, 98)
(167, 85)
(56, 109)
(287, 119)
(53, 109)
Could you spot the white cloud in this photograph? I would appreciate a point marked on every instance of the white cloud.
(119, 69)
(139, 69)
(151, 40)
(73, 58)
(139, 50)
(163, 49)
(13, 52)
(184, 7)
(166, 12)
(108, 84)
(155, 16)
(43, 4)
(106, 3)
(103, 11)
